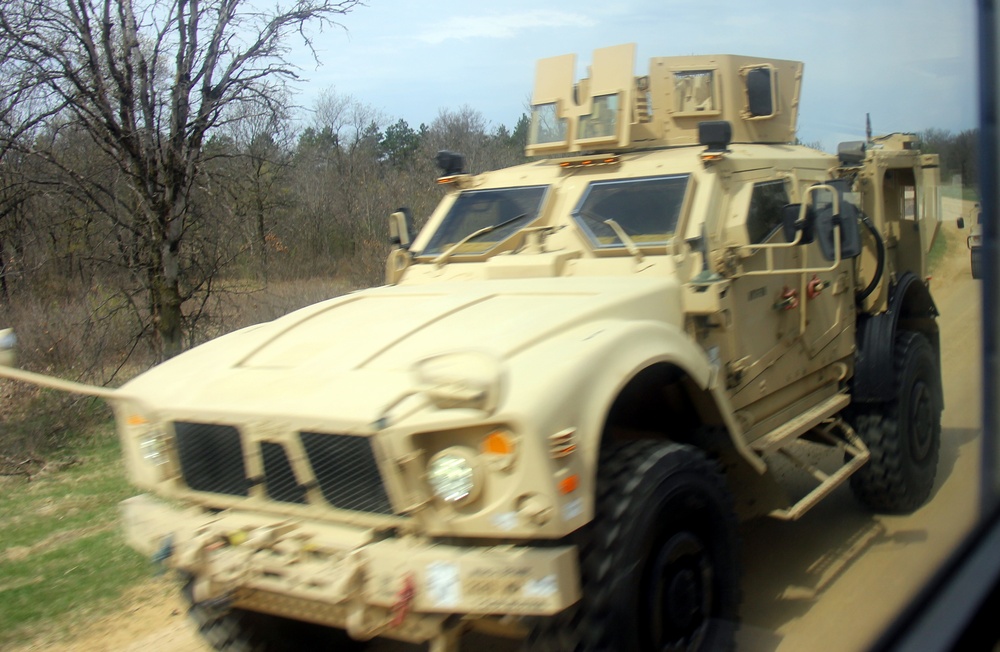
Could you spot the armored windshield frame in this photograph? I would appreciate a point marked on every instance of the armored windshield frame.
(592, 210)
(518, 201)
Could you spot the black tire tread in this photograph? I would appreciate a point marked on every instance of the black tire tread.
(589, 625)
(884, 484)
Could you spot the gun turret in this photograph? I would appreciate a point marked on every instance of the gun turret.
(614, 110)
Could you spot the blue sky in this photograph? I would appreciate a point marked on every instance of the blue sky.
(911, 64)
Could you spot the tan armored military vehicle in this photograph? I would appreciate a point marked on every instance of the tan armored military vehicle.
(580, 374)
(975, 241)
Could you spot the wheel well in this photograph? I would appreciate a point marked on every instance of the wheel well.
(917, 313)
(911, 308)
(662, 402)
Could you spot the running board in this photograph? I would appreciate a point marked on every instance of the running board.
(800, 425)
(820, 423)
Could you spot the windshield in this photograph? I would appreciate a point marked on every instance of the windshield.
(506, 209)
(646, 209)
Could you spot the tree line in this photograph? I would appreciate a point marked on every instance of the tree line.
(958, 153)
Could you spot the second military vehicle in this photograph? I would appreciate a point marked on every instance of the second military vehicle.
(580, 374)
(975, 241)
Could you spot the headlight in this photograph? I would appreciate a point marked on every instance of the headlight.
(153, 446)
(146, 444)
(454, 476)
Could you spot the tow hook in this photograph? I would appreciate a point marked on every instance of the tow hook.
(815, 287)
(361, 623)
(404, 599)
(789, 299)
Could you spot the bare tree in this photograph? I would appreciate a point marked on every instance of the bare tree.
(149, 80)
(339, 185)
(250, 161)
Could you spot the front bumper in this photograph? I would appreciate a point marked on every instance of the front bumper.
(349, 577)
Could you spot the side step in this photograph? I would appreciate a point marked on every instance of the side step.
(820, 423)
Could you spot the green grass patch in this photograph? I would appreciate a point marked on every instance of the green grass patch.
(61, 549)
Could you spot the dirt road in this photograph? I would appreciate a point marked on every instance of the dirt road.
(829, 581)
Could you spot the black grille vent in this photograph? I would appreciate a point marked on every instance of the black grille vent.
(278, 475)
(211, 458)
(346, 471)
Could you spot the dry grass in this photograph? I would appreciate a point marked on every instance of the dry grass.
(90, 336)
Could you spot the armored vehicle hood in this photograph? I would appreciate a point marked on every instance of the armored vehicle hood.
(348, 358)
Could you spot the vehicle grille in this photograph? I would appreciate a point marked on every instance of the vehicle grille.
(212, 459)
(278, 475)
(346, 471)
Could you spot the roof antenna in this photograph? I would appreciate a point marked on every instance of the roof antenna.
(868, 126)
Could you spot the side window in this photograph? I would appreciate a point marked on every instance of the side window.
(765, 210)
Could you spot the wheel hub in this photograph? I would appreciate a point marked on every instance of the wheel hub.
(681, 583)
(683, 599)
(921, 422)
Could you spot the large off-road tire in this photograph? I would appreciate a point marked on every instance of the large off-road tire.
(904, 434)
(976, 255)
(659, 563)
(238, 630)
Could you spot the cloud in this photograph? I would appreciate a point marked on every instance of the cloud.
(499, 26)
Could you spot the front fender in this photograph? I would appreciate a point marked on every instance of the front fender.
(574, 379)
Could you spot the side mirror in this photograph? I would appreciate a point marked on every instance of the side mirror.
(834, 213)
(8, 346)
(793, 220)
(401, 228)
(960, 222)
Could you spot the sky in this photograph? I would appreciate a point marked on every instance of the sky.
(910, 64)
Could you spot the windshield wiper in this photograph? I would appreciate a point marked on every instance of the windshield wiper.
(619, 232)
(624, 237)
(446, 254)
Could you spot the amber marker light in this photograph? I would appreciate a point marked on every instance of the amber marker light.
(137, 420)
(498, 442)
(569, 484)
(589, 162)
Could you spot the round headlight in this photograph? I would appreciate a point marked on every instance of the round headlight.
(453, 477)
